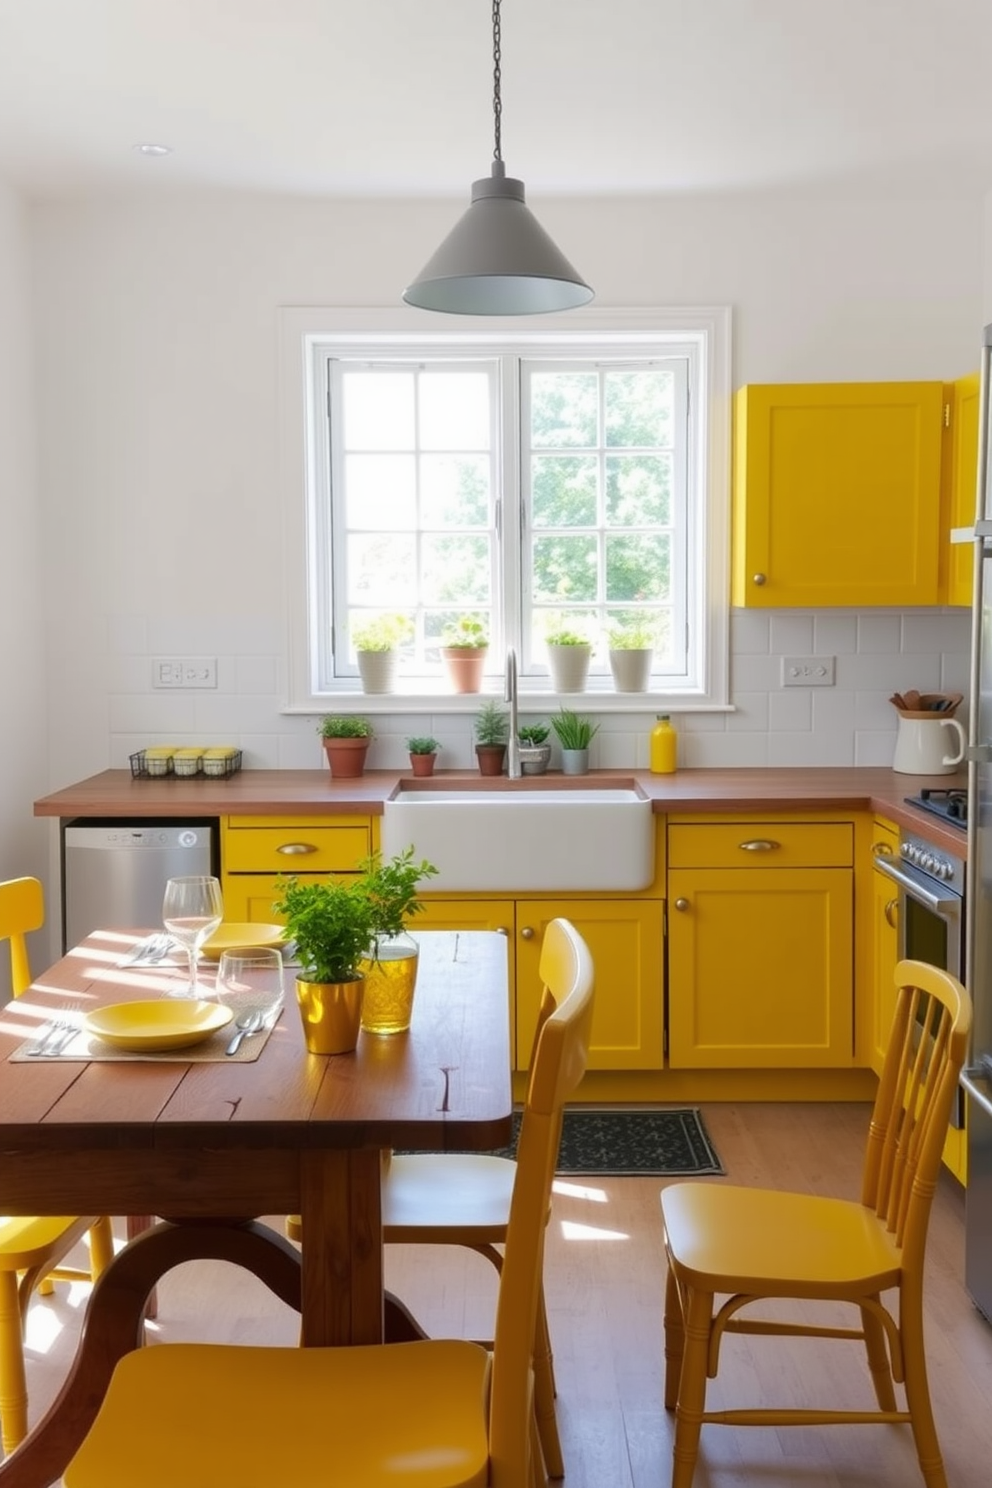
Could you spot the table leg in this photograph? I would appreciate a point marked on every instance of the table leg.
(342, 1246)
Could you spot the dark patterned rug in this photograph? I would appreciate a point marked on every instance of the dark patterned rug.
(658, 1143)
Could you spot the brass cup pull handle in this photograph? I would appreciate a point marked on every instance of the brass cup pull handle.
(759, 844)
(527, 933)
(892, 914)
(682, 905)
(296, 849)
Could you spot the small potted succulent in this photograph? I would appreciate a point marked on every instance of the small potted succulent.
(346, 738)
(464, 647)
(574, 734)
(377, 640)
(632, 645)
(492, 728)
(535, 751)
(568, 658)
(423, 753)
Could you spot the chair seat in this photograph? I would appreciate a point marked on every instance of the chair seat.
(731, 1239)
(24, 1240)
(211, 1416)
(447, 1191)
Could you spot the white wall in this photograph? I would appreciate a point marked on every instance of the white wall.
(156, 339)
(24, 596)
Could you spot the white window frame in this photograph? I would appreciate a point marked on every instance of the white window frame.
(308, 336)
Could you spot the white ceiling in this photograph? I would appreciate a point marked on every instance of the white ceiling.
(393, 97)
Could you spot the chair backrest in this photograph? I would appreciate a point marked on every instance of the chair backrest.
(557, 1066)
(22, 909)
(927, 1048)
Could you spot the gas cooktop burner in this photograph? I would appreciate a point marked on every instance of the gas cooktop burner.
(950, 805)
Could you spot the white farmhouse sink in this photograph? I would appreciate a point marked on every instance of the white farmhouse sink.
(510, 839)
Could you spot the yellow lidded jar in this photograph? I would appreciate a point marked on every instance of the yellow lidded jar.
(187, 761)
(218, 761)
(158, 760)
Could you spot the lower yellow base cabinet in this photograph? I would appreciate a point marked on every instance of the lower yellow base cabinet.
(761, 956)
(626, 938)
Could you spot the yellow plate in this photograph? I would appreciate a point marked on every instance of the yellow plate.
(243, 938)
(157, 1025)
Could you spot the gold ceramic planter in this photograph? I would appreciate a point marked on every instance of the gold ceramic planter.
(331, 1013)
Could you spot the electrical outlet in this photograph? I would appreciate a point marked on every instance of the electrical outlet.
(190, 671)
(808, 671)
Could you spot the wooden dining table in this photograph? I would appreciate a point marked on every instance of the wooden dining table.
(211, 1146)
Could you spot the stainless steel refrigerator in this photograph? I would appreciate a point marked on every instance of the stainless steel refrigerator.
(977, 1078)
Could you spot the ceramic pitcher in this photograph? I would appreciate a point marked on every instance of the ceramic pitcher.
(927, 746)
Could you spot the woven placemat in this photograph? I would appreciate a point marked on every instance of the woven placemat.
(86, 1047)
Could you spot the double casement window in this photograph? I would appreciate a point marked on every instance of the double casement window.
(531, 483)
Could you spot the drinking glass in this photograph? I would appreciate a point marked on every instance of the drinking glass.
(191, 912)
(251, 982)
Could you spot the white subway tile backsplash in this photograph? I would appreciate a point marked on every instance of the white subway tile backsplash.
(791, 634)
(850, 723)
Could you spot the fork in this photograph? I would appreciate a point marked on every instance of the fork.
(59, 1033)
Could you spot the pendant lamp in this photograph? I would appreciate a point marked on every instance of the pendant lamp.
(497, 259)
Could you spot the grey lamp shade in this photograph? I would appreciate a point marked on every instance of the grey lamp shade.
(498, 260)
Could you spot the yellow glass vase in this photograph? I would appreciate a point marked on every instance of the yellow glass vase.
(390, 981)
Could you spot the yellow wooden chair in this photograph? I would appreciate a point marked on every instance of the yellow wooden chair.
(31, 1250)
(751, 1244)
(435, 1413)
(463, 1198)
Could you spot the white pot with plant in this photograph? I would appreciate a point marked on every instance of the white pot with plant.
(632, 645)
(377, 641)
(574, 734)
(464, 647)
(568, 659)
(535, 751)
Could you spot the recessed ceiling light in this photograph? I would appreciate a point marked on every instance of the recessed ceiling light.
(154, 150)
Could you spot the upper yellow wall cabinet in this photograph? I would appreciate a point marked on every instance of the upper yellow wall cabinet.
(837, 494)
(961, 401)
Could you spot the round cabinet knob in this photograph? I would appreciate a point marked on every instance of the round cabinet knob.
(892, 913)
(502, 930)
(759, 579)
(527, 933)
(682, 904)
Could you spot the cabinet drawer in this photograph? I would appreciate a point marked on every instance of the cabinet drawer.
(762, 845)
(297, 847)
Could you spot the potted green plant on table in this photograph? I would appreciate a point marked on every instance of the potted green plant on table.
(391, 970)
(535, 751)
(346, 738)
(332, 924)
(568, 659)
(632, 644)
(574, 734)
(377, 641)
(492, 728)
(464, 647)
(423, 750)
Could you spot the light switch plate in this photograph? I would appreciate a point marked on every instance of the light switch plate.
(808, 671)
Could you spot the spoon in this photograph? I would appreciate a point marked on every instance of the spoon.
(247, 1024)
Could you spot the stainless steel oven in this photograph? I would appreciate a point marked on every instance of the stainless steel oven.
(931, 908)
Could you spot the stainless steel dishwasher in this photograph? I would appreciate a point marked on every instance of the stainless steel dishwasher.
(114, 872)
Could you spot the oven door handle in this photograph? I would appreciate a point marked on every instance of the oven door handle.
(945, 905)
(978, 1095)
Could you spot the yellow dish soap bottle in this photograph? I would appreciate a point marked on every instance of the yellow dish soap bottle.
(664, 746)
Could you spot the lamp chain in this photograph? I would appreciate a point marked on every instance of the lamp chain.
(497, 99)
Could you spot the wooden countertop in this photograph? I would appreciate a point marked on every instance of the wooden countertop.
(115, 793)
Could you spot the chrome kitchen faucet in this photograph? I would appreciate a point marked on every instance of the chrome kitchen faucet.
(513, 768)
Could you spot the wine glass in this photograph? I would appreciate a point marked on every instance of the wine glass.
(250, 982)
(191, 912)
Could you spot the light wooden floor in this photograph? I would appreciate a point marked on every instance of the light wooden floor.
(605, 1284)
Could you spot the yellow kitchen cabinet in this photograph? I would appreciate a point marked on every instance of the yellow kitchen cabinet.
(961, 402)
(626, 938)
(256, 850)
(837, 494)
(760, 945)
(884, 942)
